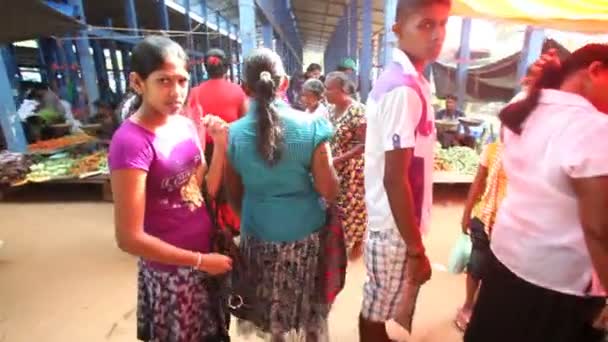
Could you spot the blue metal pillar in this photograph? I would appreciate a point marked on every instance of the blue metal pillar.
(532, 50)
(190, 43)
(115, 68)
(131, 15)
(267, 34)
(62, 70)
(390, 40)
(72, 73)
(464, 57)
(114, 60)
(366, 51)
(219, 34)
(205, 16)
(100, 67)
(126, 62)
(247, 25)
(10, 122)
(163, 14)
(87, 66)
(44, 68)
(353, 29)
(48, 47)
(12, 70)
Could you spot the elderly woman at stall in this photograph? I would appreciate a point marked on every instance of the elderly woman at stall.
(312, 97)
(348, 117)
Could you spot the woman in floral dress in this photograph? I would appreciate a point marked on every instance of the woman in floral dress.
(348, 118)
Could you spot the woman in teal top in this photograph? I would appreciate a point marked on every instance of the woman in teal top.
(279, 175)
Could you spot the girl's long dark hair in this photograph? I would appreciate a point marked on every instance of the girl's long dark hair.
(514, 115)
(263, 74)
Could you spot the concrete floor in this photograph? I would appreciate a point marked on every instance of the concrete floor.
(63, 279)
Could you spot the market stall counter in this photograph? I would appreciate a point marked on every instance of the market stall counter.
(75, 159)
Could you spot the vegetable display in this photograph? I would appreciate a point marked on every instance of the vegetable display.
(96, 162)
(50, 169)
(18, 169)
(59, 143)
(459, 159)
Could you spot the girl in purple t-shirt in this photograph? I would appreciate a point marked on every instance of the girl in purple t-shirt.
(157, 172)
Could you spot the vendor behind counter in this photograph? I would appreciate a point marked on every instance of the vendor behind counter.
(106, 118)
(461, 135)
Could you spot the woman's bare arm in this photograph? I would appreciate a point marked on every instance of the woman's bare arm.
(324, 174)
(129, 192)
(592, 196)
(234, 185)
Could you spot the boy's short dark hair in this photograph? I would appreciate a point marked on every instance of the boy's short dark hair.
(314, 67)
(451, 97)
(406, 7)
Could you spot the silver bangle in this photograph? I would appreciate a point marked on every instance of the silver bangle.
(199, 261)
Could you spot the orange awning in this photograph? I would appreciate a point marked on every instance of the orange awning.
(589, 16)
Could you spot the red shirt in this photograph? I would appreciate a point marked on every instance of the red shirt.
(219, 97)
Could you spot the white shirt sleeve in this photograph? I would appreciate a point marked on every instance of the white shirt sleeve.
(585, 152)
(399, 114)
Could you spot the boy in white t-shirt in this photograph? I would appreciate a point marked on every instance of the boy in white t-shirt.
(398, 170)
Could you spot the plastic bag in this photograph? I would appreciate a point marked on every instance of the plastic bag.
(460, 254)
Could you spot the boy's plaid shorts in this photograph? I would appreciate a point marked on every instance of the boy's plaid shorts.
(385, 261)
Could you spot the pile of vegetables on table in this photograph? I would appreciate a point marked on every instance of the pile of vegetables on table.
(460, 159)
(14, 167)
(94, 163)
(53, 145)
(52, 168)
(18, 169)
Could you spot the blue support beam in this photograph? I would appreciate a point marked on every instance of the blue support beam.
(131, 15)
(390, 40)
(247, 25)
(67, 9)
(218, 22)
(532, 50)
(280, 15)
(337, 47)
(353, 29)
(87, 65)
(464, 57)
(205, 16)
(44, 68)
(268, 35)
(100, 67)
(115, 68)
(12, 70)
(126, 62)
(163, 14)
(111, 35)
(198, 14)
(47, 48)
(190, 42)
(366, 51)
(62, 70)
(114, 60)
(9, 120)
(72, 73)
